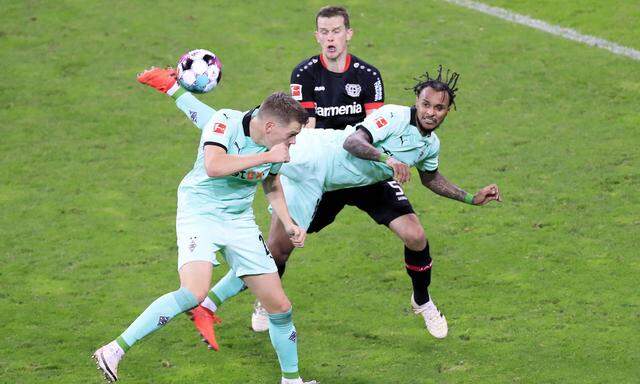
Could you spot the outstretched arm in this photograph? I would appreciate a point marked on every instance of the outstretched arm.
(359, 145)
(443, 187)
(197, 111)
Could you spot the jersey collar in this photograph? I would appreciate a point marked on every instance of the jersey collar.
(347, 63)
(246, 119)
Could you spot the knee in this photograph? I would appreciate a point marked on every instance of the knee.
(281, 306)
(414, 238)
(200, 293)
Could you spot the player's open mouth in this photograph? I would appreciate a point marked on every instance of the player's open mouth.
(331, 48)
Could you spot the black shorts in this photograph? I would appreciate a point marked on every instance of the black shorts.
(383, 201)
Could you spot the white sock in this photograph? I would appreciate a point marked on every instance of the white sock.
(173, 89)
(209, 304)
(291, 381)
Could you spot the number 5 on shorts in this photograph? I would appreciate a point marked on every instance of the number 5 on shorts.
(399, 192)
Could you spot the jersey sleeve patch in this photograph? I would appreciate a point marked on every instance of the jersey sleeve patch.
(381, 122)
(218, 130)
(296, 91)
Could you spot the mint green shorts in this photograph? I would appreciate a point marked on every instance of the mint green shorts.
(239, 241)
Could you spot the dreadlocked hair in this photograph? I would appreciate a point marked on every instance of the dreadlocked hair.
(442, 82)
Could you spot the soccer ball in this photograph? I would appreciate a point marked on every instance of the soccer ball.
(199, 71)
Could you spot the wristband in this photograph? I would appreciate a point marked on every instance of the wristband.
(383, 158)
(468, 199)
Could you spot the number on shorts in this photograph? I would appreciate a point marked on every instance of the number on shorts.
(399, 192)
(266, 250)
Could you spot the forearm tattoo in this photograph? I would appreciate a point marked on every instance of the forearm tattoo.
(358, 145)
(443, 187)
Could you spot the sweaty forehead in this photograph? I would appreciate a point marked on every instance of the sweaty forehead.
(434, 97)
(330, 22)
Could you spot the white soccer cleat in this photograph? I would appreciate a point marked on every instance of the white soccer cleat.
(434, 320)
(259, 318)
(107, 359)
(297, 381)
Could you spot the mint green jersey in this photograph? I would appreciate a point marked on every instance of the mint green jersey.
(319, 163)
(393, 131)
(227, 196)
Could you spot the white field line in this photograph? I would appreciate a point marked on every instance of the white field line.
(567, 33)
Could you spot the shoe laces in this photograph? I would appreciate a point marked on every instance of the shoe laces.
(428, 310)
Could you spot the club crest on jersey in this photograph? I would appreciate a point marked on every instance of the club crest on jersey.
(381, 122)
(296, 91)
(353, 90)
(219, 128)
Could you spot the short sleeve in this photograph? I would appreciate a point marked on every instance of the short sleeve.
(302, 89)
(430, 162)
(218, 131)
(373, 91)
(381, 124)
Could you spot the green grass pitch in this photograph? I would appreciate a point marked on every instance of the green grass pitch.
(540, 289)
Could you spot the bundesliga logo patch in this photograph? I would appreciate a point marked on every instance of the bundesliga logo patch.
(219, 128)
(381, 122)
(296, 91)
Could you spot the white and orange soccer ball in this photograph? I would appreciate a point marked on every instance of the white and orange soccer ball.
(199, 71)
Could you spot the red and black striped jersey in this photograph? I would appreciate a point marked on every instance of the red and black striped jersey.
(337, 99)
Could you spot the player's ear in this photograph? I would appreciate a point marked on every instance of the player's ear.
(269, 126)
(317, 36)
(349, 34)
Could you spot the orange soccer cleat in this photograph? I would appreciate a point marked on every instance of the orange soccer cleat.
(204, 320)
(161, 79)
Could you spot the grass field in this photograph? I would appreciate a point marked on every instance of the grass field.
(540, 289)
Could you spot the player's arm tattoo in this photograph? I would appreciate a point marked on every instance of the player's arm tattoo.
(443, 187)
(359, 144)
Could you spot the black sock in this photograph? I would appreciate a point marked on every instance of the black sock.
(419, 269)
(281, 268)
